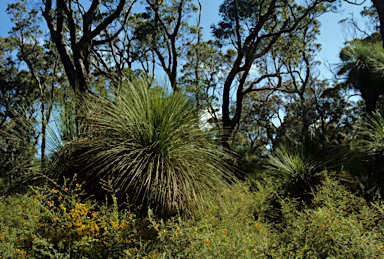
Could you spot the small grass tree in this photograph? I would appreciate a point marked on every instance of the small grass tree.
(370, 144)
(300, 167)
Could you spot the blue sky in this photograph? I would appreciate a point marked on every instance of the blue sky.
(331, 38)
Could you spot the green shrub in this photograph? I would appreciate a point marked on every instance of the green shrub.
(152, 148)
(299, 167)
(216, 233)
(338, 225)
(370, 145)
(56, 222)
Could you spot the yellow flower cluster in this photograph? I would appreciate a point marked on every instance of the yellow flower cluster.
(21, 254)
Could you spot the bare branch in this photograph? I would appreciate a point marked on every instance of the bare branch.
(355, 3)
(239, 47)
(114, 36)
(107, 21)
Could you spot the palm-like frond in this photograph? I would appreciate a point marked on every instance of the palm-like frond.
(300, 167)
(363, 59)
(152, 148)
(370, 143)
(371, 131)
(291, 164)
(378, 60)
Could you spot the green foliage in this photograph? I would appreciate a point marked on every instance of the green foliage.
(17, 156)
(256, 125)
(360, 55)
(163, 29)
(151, 148)
(223, 234)
(363, 63)
(338, 225)
(56, 222)
(60, 225)
(26, 100)
(203, 74)
(267, 195)
(18, 94)
(370, 145)
(300, 167)
(150, 145)
(371, 131)
(371, 135)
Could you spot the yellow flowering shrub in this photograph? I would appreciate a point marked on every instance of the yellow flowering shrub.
(57, 221)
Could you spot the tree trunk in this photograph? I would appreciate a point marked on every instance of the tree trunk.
(379, 5)
(228, 123)
(78, 65)
(370, 101)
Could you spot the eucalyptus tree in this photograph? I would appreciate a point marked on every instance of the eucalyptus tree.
(298, 59)
(84, 29)
(40, 58)
(126, 53)
(203, 75)
(18, 94)
(165, 30)
(253, 27)
(123, 52)
(17, 88)
(259, 124)
(292, 61)
(307, 109)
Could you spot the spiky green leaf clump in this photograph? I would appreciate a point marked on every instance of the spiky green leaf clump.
(151, 146)
(300, 167)
(371, 133)
(364, 63)
(370, 144)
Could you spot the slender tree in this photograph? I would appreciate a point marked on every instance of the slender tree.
(40, 58)
(164, 30)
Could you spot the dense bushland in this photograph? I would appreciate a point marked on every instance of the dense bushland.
(250, 154)
(169, 191)
(56, 222)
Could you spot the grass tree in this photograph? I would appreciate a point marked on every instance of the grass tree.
(363, 63)
(300, 167)
(150, 145)
(371, 131)
(370, 144)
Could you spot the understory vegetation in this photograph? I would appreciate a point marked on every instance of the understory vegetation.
(55, 222)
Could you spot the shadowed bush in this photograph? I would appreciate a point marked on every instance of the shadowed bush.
(298, 168)
(370, 145)
(371, 133)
